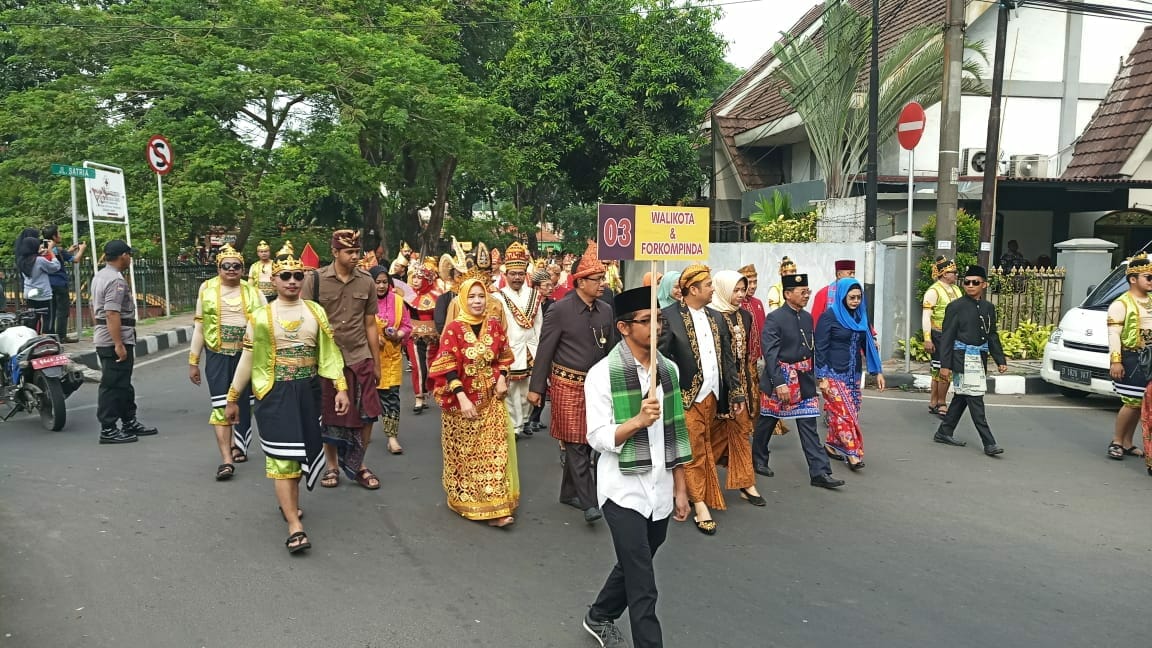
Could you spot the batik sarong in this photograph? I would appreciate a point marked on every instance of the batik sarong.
(842, 414)
(798, 407)
(480, 477)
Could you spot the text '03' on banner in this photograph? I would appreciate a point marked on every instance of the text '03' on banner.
(652, 233)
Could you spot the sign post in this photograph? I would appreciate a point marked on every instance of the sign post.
(107, 203)
(909, 129)
(160, 158)
(73, 172)
(652, 233)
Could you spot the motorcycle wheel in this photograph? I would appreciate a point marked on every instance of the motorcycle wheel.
(53, 414)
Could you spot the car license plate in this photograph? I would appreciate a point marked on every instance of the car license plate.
(1076, 375)
(49, 361)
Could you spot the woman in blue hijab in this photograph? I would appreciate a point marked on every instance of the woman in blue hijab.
(843, 339)
(669, 291)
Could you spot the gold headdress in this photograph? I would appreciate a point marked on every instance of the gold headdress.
(941, 265)
(401, 261)
(516, 257)
(787, 266)
(263, 247)
(1139, 264)
(404, 249)
(483, 258)
(286, 260)
(445, 268)
(228, 252)
(460, 259)
(482, 269)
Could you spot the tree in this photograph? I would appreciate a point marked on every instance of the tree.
(824, 82)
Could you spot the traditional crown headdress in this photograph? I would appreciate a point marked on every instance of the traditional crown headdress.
(1139, 264)
(460, 259)
(228, 252)
(263, 247)
(941, 265)
(786, 265)
(404, 249)
(483, 259)
(286, 259)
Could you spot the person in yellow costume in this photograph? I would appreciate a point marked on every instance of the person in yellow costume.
(775, 297)
(1129, 334)
(288, 346)
(222, 309)
(260, 274)
(936, 300)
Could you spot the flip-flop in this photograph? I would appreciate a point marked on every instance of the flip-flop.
(238, 455)
(1134, 451)
(934, 409)
(225, 471)
(303, 542)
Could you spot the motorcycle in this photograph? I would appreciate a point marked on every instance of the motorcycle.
(34, 375)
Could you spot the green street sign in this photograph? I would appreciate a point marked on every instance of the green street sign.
(72, 171)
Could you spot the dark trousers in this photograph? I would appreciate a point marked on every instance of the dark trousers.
(534, 417)
(579, 475)
(956, 410)
(43, 308)
(809, 440)
(632, 583)
(61, 304)
(116, 400)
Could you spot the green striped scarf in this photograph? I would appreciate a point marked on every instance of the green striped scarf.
(627, 396)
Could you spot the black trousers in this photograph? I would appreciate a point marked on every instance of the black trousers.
(61, 304)
(809, 440)
(632, 583)
(975, 404)
(116, 400)
(579, 475)
(43, 308)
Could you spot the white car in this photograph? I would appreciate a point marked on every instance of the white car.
(1076, 356)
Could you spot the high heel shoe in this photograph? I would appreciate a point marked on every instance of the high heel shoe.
(754, 500)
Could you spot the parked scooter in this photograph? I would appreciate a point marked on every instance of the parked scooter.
(34, 375)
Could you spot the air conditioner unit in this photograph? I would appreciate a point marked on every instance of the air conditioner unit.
(1029, 166)
(973, 161)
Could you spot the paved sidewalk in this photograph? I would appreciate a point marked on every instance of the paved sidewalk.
(1023, 377)
(152, 336)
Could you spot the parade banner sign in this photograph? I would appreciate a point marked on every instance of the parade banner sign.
(652, 233)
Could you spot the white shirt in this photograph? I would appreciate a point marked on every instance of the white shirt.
(709, 363)
(648, 493)
(522, 341)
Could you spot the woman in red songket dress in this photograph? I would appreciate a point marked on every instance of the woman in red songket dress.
(422, 344)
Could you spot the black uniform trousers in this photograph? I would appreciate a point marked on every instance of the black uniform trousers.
(61, 304)
(975, 404)
(632, 583)
(809, 440)
(116, 400)
(579, 480)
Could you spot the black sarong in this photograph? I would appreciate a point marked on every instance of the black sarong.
(289, 420)
(219, 369)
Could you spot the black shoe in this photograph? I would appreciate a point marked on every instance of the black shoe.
(114, 435)
(574, 502)
(855, 466)
(605, 632)
(526, 430)
(764, 470)
(827, 481)
(754, 500)
(537, 426)
(137, 428)
(592, 514)
(948, 439)
(993, 450)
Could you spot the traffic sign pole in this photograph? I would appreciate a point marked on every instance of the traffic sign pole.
(160, 158)
(909, 130)
(163, 247)
(76, 266)
(908, 262)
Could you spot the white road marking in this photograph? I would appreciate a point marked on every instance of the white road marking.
(163, 357)
(1012, 405)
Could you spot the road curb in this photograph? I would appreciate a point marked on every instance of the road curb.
(145, 345)
(1007, 385)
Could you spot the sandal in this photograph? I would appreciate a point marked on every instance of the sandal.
(367, 479)
(934, 409)
(331, 478)
(301, 542)
(397, 450)
(1134, 451)
(500, 523)
(238, 455)
(1115, 451)
(225, 471)
(299, 513)
(707, 527)
(941, 410)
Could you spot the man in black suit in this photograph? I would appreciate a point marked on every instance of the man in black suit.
(789, 383)
(696, 339)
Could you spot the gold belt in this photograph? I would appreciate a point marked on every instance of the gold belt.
(569, 374)
(296, 362)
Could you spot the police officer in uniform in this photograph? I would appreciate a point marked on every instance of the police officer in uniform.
(115, 338)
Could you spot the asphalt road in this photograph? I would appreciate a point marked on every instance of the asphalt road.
(929, 546)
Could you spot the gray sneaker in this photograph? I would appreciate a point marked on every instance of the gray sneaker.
(605, 632)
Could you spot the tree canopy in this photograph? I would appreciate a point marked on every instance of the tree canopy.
(367, 114)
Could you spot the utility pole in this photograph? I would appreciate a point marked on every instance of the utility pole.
(992, 166)
(948, 166)
(870, 206)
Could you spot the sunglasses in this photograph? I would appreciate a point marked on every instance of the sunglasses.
(1147, 277)
(288, 276)
(231, 266)
(973, 282)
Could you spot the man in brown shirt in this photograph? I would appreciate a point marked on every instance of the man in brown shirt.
(348, 295)
(578, 331)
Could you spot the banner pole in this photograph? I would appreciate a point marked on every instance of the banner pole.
(654, 313)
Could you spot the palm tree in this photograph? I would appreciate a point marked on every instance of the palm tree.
(825, 84)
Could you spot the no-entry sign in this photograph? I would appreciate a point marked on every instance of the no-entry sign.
(910, 126)
(652, 232)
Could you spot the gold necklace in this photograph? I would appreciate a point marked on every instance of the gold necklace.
(291, 328)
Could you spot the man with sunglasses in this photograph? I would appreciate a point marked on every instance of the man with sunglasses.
(968, 338)
(223, 306)
(348, 296)
(1130, 331)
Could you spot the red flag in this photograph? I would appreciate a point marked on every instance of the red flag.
(308, 258)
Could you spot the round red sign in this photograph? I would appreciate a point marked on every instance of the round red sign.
(910, 126)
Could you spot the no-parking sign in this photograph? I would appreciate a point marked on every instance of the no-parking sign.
(159, 154)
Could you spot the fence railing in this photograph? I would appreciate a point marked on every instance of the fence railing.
(183, 284)
(1023, 294)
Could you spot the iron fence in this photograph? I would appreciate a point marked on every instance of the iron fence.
(1026, 294)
